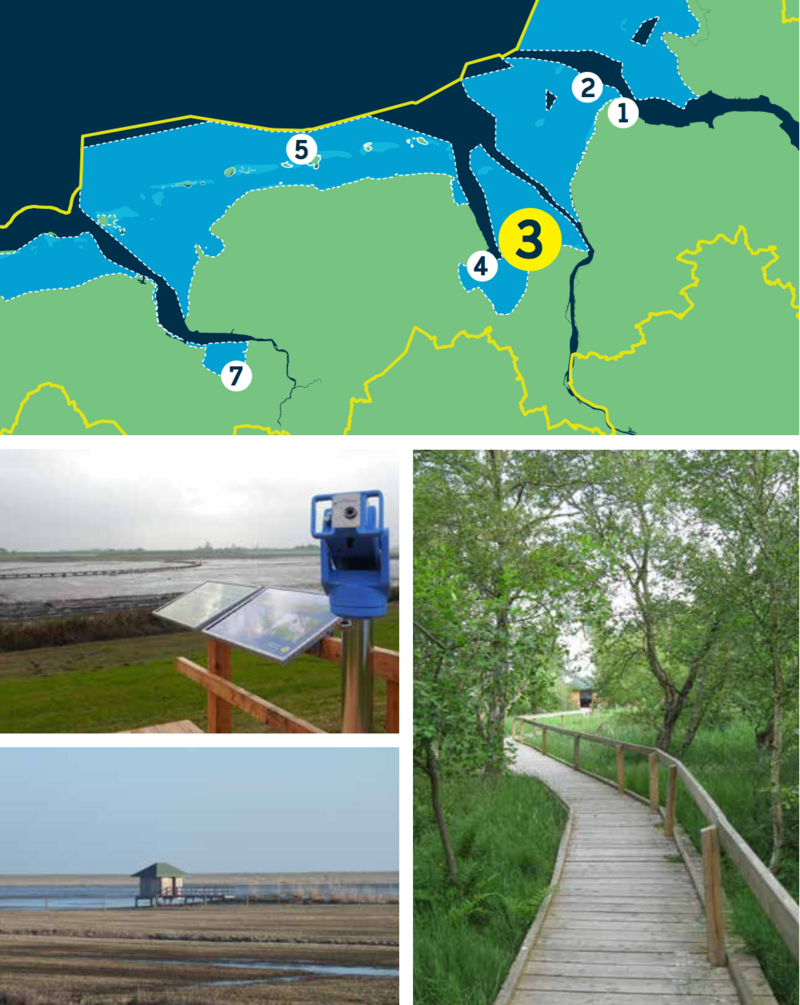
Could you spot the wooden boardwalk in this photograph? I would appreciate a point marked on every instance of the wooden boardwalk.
(625, 926)
(184, 726)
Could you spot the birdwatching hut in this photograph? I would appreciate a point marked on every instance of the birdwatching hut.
(159, 882)
(581, 691)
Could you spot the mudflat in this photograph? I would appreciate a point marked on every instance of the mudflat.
(204, 955)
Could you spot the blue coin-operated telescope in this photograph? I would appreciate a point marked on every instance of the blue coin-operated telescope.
(354, 562)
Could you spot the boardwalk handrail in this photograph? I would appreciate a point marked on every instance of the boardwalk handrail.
(778, 905)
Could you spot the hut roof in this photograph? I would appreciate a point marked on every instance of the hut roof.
(158, 869)
(581, 684)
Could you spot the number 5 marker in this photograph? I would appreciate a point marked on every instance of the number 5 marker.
(301, 149)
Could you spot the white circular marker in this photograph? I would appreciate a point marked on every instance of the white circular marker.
(482, 265)
(301, 149)
(236, 375)
(623, 112)
(587, 87)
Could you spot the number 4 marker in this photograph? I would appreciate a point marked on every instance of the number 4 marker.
(482, 265)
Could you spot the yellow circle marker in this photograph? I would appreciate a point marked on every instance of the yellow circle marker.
(530, 239)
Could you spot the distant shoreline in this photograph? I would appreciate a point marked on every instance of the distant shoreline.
(238, 878)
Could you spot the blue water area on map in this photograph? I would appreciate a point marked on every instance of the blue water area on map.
(651, 70)
(503, 291)
(506, 193)
(546, 145)
(53, 263)
(149, 175)
(219, 354)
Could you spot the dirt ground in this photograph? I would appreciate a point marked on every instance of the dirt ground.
(127, 957)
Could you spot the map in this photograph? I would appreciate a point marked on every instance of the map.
(593, 232)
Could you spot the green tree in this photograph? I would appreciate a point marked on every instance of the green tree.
(752, 499)
(667, 589)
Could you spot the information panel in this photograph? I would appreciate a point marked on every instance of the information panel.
(278, 624)
(205, 604)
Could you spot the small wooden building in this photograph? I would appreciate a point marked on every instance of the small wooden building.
(582, 692)
(159, 882)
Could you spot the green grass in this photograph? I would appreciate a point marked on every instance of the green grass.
(505, 834)
(107, 692)
(727, 763)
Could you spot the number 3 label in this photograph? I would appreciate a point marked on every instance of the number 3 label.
(530, 239)
(236, 376)
(301, 149)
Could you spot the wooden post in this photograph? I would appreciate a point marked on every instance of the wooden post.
(576, 753)
(672, 794)
(219, 664)
(392, 706)
(620, 769)
(514, 729)
(653, 781)
(712, 882)
(544, 740)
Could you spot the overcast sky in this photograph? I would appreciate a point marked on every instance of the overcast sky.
(179, 497)
(246, 809)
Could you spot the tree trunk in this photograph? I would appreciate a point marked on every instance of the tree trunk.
(775, 784)
(696, 721)
(764, 737)
(777, 736)
(495, 721)
(672, 710)
(431, 768)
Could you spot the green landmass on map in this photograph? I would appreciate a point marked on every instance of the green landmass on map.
(741, 50)
(722, 349)
(126, 368)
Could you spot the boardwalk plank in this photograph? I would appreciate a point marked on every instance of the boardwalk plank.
(603, 998)
(628, 985)
(625, 926)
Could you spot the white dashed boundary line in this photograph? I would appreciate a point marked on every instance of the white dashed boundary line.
(50, 289)
(520, 168)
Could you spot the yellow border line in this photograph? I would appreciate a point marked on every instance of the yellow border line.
(784, 18)
(70, 402)
(681, 315)
(273, 129)
(577, 355)
(264, 429)
(506, 348)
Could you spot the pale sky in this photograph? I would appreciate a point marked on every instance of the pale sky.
(229, 809)
(179, 496)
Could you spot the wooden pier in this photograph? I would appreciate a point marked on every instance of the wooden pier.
(100, 572)
(188, 895)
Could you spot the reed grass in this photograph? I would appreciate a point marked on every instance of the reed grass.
(506, 833)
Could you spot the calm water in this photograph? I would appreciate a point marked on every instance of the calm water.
(97, 897)
(301, 573)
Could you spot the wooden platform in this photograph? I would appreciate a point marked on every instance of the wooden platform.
(625, 926)
(184, 726)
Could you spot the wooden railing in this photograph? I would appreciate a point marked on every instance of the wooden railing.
(779, 907)
(223, 694)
